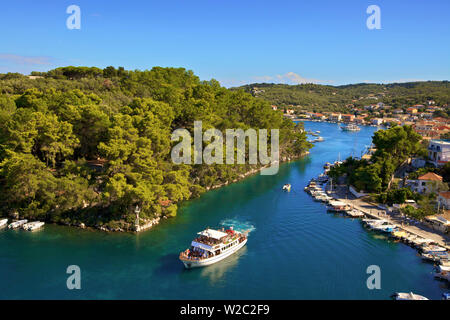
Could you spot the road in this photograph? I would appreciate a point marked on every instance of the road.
(372, 210)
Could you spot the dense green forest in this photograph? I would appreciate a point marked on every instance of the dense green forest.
(318, 98)
(393, 147)
(88, 145)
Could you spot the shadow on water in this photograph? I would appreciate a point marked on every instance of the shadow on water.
(215, 273)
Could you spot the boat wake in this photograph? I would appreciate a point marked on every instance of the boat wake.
(238, 225)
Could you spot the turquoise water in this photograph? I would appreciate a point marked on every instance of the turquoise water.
(296, 250)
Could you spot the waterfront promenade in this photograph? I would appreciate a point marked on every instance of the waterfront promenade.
(371, 209)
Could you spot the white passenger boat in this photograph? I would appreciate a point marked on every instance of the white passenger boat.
(211, 246)
(3, 222)
(408, 296)
(17, 224)
(351, 127)
(32, 226)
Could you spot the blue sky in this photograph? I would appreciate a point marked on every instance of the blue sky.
(235, 42)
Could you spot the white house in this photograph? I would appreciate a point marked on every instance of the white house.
(377, 121)
(438, 223)
(439, 152)
(444, 200)
(426, 183)
(335, 117)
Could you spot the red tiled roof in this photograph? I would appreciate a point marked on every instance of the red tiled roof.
(431, 176)
(445, 194)
(164, 203)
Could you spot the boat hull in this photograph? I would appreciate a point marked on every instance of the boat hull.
(189, 264)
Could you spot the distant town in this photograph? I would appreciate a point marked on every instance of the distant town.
(425, 119)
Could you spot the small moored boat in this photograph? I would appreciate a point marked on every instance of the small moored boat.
(338, 206)
(287, 187)
(3, 222)
(408, 296)
(32, 226)
(17, 224)
(443, 275)
(432, 249)
(355, 213)
(351, 127)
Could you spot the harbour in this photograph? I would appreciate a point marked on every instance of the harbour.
(295, 249)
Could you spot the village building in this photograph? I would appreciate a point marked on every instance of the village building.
(290, 111)
(348, 117)
(411, 110)
(318, 116)
(335, 117)
(444, 200)
(425, 184)
(439, 152)
(426, 129)
(438, 222)
(377, 121)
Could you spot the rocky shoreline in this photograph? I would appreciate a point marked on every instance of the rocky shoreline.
(147, 224)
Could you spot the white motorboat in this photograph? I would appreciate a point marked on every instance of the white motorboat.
(432, 249)
(321, 197)
(338, 206)
(355, 213)
(443, 275)
(17, 224)
(212, 246)
(374, 223)
(3, 222)
(443, 268)
(351, 127)
(385, 227)
(32, 226)
(408, 296)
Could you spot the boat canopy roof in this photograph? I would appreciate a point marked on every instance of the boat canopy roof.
(214, 234)
(201, 246)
